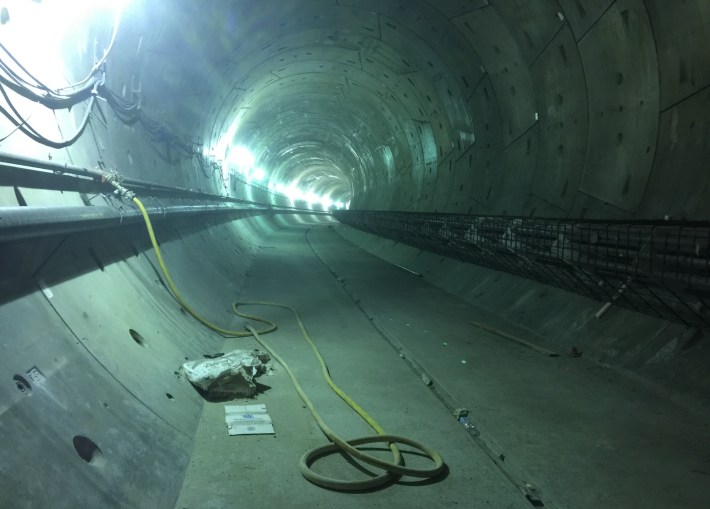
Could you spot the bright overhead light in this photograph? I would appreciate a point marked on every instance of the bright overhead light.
(258, 174)
(294, 193)
(242, 158)
(313, 200)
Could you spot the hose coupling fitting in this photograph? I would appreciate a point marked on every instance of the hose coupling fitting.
(115, 179)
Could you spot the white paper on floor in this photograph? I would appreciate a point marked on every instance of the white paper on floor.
(248, 420)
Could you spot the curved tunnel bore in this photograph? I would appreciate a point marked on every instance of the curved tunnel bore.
(224, 116)
(549, 109)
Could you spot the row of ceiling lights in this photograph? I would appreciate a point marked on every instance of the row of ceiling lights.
(243, 162)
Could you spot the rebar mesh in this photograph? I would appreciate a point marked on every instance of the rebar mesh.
(659, 268)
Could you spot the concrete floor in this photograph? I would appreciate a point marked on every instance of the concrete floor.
(581, 435)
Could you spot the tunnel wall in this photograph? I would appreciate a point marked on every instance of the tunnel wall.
(668, 357)
(92, 347)
(584, 108)
(568, 108)
(599, 109)
(93, 341)
(93, 409)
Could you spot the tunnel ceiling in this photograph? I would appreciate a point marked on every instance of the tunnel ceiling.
(510, 107)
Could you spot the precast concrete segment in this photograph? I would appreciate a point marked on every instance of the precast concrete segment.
(359, 66)
(94, 411)
(73, 434)
(365, 366)
(567, 108)
(668, 356)
(555, 420)
(570, 107)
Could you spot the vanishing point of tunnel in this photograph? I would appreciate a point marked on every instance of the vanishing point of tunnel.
(354, 253)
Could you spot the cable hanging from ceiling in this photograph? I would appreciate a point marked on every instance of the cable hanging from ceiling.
(18, 79)
(131, 113)
(21, 81)
(207, 165)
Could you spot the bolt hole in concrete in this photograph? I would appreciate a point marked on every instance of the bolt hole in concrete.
(22, 384)
(88, 450)
(137, 337)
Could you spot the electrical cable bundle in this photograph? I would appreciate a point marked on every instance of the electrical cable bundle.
(17, 78)
(37, 91)
(130, 113)
(27, 85)
(24, 83)
(209, 167)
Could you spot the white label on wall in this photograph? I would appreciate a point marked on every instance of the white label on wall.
(35, 375)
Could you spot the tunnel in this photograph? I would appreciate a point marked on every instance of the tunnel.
(473, 232)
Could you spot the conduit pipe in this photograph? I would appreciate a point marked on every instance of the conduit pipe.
(31, 172)
(11, 164)
(22, 223)
(67, 169)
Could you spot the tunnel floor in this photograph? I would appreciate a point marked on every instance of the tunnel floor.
(580, 435)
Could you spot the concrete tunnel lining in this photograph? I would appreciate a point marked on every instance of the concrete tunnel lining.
(592, 109)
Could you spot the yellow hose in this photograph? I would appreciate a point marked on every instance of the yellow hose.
(392, 469)
(178, 295)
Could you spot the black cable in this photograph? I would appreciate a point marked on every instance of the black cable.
(208, 167)
(21, 124)
(129, 113)
(17, 62)
(53, 103)
(126, 111)
(17, 127)
(49, 97)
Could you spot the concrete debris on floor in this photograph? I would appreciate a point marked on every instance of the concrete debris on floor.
(228, 375)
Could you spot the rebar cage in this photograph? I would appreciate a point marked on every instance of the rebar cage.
(660, 268)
